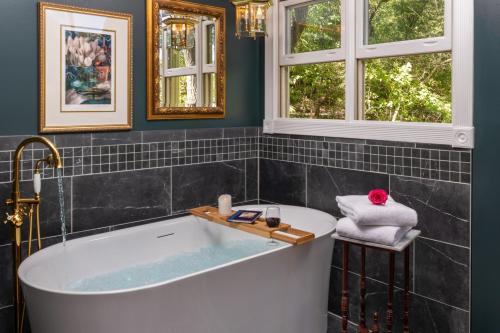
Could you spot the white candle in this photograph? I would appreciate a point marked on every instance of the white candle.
(225, 207)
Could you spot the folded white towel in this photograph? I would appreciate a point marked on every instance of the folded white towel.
(386, 235)
(361, 211)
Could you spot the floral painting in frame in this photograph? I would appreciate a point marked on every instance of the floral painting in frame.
(85, 69)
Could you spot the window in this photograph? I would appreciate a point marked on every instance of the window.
(376, 69)
(188, 73)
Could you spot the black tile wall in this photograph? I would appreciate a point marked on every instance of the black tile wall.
(6, 321)
(443, 207)
(426, 315)
(442, 272)
(432, 179)
(115, 198)
(123, 179)
(198, 185)
(283, 182)
(403, 159)
(252, 179)
(5, 276)
(324, 184)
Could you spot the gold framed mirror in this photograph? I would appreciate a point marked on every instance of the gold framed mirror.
(185, 60)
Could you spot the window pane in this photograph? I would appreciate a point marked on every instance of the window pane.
(398, 20)
(314, 26)
(179, 91)
(209, 90)
(178, 58)
(210, 44)
(316, 91)
(410, 88)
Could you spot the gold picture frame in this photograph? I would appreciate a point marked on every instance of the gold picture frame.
(154, 110)
(105, 101)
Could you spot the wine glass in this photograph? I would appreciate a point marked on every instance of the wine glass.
(273, 216)
(273, 220)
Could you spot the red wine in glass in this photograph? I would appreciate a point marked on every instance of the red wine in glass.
(273, 218)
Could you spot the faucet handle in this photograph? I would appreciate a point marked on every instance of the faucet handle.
(15, 219)
(10, 218)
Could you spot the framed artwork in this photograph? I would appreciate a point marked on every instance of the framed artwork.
(85, 69)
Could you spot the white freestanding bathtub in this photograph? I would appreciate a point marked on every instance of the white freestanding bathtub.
(183, 275)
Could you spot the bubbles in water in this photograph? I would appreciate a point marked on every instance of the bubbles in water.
(172, 267)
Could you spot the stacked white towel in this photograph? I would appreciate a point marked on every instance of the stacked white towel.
(383, 224)
(361, 211)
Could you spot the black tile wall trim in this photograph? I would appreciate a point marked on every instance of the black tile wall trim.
(90, 154)
(436, 162)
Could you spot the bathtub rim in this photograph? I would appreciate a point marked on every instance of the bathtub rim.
(171, 221)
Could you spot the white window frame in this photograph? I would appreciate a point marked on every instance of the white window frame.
(459, 37)
(207, 68)
(201, 66)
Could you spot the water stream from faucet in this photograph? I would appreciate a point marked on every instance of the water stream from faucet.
(61, 204)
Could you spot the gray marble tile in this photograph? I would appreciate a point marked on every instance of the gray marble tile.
(442, 272)
(7, 319)
(110, 199)
(283, 182)
(324, 184)
(252, 179)
(116, 138)
(251, 131)
(12, 142)
(443, 208)
(197, 185)
(335, 325)
(85, 233)
(376, 299)
(6, 276)
(234, 132)
(204, 133)
(426, 315)
(73, 140)
(163, 136)
(50, 224)
(377, 263)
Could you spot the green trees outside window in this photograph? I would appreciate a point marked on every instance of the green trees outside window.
(413, 88)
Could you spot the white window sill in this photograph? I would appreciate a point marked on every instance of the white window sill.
(459, 137)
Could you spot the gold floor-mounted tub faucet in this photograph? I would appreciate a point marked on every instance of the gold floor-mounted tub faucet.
(26, 207)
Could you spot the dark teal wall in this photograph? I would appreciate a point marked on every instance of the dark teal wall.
(19, 67)
(486, 170)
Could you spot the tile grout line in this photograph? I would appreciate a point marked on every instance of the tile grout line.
(71, 202)
(401, 289)
(443, 242)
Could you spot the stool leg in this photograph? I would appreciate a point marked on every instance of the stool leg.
(390, 297)
(406, 305)
(362, 292)
(345, 288)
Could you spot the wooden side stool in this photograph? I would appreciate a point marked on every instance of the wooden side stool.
(403, 245)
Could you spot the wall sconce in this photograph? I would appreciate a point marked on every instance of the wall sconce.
(251, 17)
(180, 33)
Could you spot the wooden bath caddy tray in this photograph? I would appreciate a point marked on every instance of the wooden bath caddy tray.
(284, 232)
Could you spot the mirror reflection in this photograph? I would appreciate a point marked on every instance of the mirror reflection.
(187, 52)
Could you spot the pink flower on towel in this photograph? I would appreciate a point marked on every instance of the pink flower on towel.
(378, 197)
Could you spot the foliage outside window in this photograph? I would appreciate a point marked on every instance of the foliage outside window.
(414, 87)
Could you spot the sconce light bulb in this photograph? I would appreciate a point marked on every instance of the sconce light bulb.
(260, 14)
